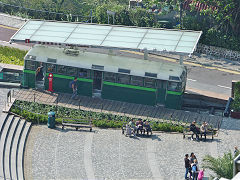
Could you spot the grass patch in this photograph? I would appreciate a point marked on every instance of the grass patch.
(10, 55)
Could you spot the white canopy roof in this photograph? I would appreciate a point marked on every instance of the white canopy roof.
(110, 36)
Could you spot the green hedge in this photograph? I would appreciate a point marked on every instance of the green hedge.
(37, 113)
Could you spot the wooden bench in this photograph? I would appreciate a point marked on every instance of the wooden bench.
(187, 132)
(77, 123)
(210, 133)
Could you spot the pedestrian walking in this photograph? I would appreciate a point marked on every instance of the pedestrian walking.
(73, 85)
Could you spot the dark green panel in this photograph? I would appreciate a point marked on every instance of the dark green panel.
(161, 94)
(128, 95)
(62, 85)
(29, 80)
(84, 88)
(173, 101)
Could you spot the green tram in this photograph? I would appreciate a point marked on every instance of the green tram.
(107, 76)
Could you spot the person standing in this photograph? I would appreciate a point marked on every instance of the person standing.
(39, 72)
(236, 151)
(195, 169)
(192, 157)
(74, 87)
(187, 166)
(201, 174)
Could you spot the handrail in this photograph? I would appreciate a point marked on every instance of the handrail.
(226, 112)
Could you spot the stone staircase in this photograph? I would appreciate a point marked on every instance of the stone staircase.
(13, 135)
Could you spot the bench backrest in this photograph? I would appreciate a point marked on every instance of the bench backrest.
(77, 121)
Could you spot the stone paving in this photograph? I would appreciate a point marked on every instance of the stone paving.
(107, 154)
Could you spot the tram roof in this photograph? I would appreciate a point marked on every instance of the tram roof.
(108, 36)
(111, 63)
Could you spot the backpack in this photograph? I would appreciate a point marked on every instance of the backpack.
(194, 168)
(70, 84)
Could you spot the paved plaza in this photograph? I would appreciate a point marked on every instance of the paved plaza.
(107, 154)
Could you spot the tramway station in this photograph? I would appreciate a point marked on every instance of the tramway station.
(59, 51)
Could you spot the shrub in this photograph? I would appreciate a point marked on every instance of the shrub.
(35, 113)
(236, 103)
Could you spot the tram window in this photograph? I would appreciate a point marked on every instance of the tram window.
(30, 57)
(123, 79)
(51, 68)
(61, 69)
(72, 71)
(137, 81)
(174, 86)
(31, 65)
(110, 77)
(174, 78)
(84, 73)
(149, 82)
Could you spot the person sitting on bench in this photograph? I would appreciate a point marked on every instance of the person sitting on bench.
(195, 130)
(139, 125)
(133, 127)
(147, 127)
(204, 129)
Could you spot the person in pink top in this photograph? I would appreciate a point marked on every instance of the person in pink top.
(201, 174)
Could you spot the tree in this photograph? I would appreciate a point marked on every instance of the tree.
(226, 14)
(221, 166)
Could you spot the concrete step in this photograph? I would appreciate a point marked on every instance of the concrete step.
(13, 169)
(7, 152)
(21, 148)
(3, 140)
(2, 121)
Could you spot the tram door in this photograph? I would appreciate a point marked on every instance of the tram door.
(97, 83)
(39, 78)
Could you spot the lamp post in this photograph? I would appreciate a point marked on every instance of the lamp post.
(112, 14)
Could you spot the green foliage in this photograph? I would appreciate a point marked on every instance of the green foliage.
(221, 27)
(29, 116)
(167, 127)
(36, 112)
(221, 166)
(236, 103)
(108, 124)
(10, 55)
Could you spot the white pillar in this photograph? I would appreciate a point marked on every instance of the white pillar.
(145, 54)
(181, 60)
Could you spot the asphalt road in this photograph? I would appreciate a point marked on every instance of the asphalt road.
(6, 33)
(201, 80)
